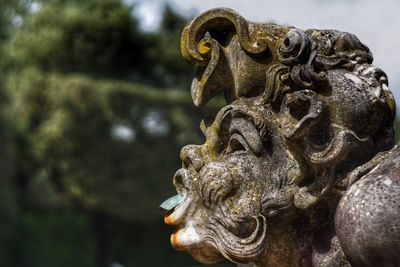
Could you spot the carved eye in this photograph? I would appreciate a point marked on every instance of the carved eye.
(237, 144)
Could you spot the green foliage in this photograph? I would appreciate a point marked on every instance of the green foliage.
(100, 38)
(71, 36)
(9, 209)
(66, 240)
(11, 12)
(169, 68)
(42, 236)
(100, 143)
(85, 149)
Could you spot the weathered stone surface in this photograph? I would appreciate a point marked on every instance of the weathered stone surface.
(299, 168)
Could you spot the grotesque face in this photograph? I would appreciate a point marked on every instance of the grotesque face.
(304, 109)
(234, 185)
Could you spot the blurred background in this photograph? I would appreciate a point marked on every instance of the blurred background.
(95, 107)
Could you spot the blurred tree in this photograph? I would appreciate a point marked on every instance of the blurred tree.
(9, 209)
(97, 142)
(98, 37)
(169, 69)
(89, 145)
(11, 13)
(97, 145)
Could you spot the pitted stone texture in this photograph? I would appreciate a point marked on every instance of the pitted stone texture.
(367, 219)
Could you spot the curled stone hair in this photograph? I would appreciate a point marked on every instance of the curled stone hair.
(282, 60)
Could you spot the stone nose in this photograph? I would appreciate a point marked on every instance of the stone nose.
(182, 181)
(191, 157)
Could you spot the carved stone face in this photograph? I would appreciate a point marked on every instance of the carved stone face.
(234, 185)
(304, 110)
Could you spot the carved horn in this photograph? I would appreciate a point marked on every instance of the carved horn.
(218, 19)
(205, 50)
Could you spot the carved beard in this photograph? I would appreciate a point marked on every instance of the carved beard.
(235, 248)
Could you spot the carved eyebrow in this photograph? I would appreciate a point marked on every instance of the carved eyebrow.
(222, 116)
(249, 132)
(213, 132)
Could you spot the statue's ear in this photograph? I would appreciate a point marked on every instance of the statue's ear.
(321, 142)
(302, 110)
(301, 113)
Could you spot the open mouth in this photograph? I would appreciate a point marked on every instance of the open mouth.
(185, 236)
(207, 243)
(176, 208)
(188, 237)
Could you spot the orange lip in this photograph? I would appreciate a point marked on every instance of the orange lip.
(174, 241)
(168, 220)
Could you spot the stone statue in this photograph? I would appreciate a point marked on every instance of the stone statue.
(300, 167)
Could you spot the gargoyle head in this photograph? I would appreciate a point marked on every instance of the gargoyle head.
(304, 109)
(231, 186)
